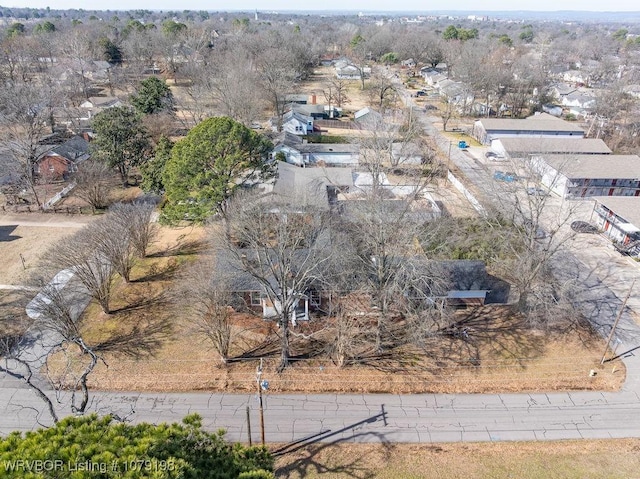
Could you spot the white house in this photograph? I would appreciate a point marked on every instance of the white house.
(100, 102)
(295, 123)
(578, 99)
(319, 154)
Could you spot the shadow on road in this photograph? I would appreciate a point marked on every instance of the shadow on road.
(310, 448)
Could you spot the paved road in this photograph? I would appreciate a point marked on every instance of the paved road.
(412, 418)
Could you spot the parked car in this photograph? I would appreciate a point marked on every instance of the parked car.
(491, 154)
(536, 191)
(507, 176)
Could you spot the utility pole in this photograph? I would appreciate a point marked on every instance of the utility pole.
(249, 426)
(261, 385)
(615, 323)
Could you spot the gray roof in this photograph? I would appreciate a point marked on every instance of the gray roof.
(627, 207)
(596, 166)
(75, 149)
(554, 145)
(309, 185)
(531, 124)
(347, 148)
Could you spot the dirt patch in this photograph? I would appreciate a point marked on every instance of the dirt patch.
(585, 459)
(317, 83)
(25, 238)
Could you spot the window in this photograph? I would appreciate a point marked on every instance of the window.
(256, 298)
(314, 297)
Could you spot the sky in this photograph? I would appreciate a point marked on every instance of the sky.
(350, 5)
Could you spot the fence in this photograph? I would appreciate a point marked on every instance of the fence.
(58, 196)
(344, 125)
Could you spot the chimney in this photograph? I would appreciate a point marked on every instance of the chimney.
(313, 98)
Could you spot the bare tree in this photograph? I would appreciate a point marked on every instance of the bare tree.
(284, 247)
(205, 296)
(25, 117)
(382, 221)
(93, 184)
(15, 342)
(137, 218)
(335, 92)
(55, 309)
(83, 256)
(536, 231)
(382, 91)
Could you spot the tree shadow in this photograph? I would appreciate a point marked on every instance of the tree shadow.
(159, 273)
(143, 327)
(182, 248)
(141, 340)
(498, 331)
(311, 448)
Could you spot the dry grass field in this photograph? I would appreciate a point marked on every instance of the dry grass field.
(605, 459)
(30, 236)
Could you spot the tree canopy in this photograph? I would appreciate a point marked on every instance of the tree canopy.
(121, 140)
(216, 157)
(92, 447)
(153, 96)
(153, 169)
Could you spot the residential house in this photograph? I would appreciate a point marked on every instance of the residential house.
(469, 284)
(367, 118)
(632, 90)
(560, 90)
(579, 176)
(298, 98)
(294, 123)
(250, 294)
(95, 104)
(317, 154)
(316, 111)
(101, 102)
(433, 77)
(577, 77)
(523, 148)
(408, 63)
(579, 100)
(345, 70)
(62, 160)
(538, 126)
(309, 186)
(73, 119)
(406, 153)
(619, 218)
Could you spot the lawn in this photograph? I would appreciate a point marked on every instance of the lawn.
(587, 459)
